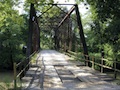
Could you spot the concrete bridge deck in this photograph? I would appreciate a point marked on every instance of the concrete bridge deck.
(54, 71)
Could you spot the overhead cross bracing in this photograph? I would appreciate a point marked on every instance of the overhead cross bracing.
(56, 25)
(64, 12)
(55, 64)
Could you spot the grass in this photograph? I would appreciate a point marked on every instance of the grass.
(6, 80)
(117, 80)
(33, 59)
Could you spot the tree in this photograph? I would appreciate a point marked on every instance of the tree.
(104, 32)
(10, 34)
(108, 16)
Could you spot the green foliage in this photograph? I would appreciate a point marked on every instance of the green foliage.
(104, 28)
(109, 54)
(101, 30)
(6, 80)
(10, 35)
(112, 34)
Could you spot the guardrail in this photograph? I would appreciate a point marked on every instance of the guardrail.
(91, 59)
(22, 69)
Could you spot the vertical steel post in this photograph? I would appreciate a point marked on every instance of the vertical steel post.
(81, 33)
(93, 62)
(102, 71)
(30, 34)
(56, 39)
(29, 44)
(115, 72)
(102, 61)
(36, 32)
(38, 36)
(15, 83)
(71, 34)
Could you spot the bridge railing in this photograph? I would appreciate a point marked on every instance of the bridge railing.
(22, 66)
(96, 61)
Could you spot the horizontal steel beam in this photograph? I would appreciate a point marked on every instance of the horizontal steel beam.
(64, 4)
(57, 4)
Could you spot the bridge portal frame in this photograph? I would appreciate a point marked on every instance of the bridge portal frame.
(33, 20)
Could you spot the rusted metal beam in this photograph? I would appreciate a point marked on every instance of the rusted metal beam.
(62, 4)
(36, 32)
(57, 4)
(64, 12)
(30, 32)
(82, 37)
(68, 14)
(46, 11)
